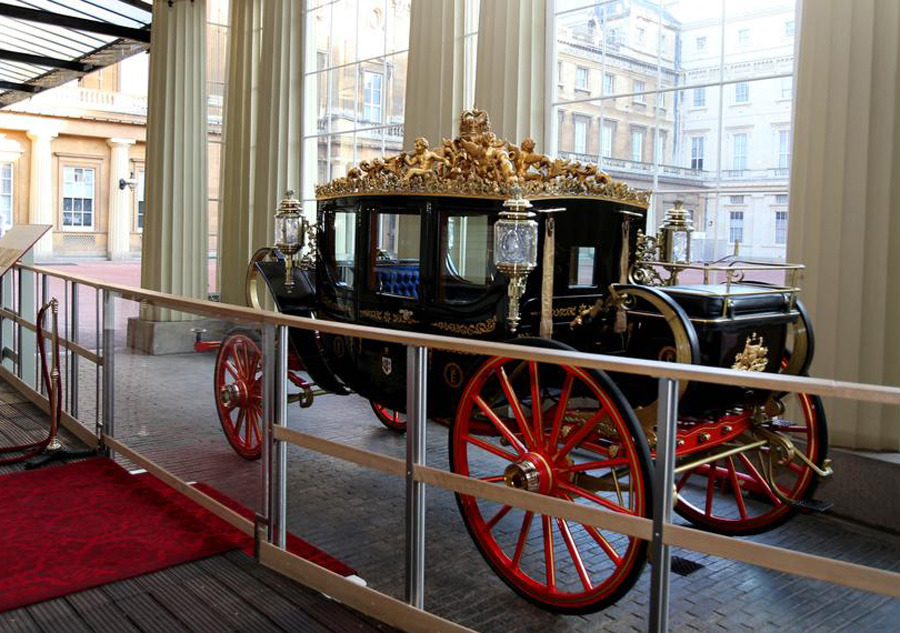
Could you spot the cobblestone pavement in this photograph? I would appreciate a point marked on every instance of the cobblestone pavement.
(165, 408)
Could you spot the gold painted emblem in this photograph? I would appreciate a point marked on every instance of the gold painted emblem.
(478, 164)
(453, 375)
(754, 357)
(340, 348)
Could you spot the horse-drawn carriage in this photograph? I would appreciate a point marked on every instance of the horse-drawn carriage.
(483, 239)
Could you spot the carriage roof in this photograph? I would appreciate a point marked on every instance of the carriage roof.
(477, 164)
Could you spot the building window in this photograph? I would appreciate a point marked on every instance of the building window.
(581, 78)
(609, 84)
(787, 87)
(781, 198)
(781, 227)
(661, 100)
(739, 152)
(701, 44)
(614, 36)
(744, 37)
(139, 194)
(697, 150)
(736, 227)
(6, 196)
(609, 130)
(78, 197)
(581, 134)
(637, 145)
(789, 28)
(641, 36)
(559, 73)
(784, 149)
(372, 93)
(742, 92)
(736, 199)
(639, 87)
(699, 97)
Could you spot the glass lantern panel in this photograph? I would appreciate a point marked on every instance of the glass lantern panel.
(515, 243)
(680, 247)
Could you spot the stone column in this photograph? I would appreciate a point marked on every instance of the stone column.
(176, 242)
(510, 80)
(239, 146)
(40, 200)
(118, 227)
(435, 76)
(845, 214)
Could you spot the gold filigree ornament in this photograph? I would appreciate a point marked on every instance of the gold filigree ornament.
(478, 164)
(471, 329)
(754, 357)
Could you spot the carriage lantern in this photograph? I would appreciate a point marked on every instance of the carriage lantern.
(675, 235)
(515, 248)
(289, 234)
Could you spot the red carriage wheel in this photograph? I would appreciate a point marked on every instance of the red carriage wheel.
(563, 432)
(391, 418)
(735, 496)
(238, 385)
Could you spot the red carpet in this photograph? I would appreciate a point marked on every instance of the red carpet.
(90, 523)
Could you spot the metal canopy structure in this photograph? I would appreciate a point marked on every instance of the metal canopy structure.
(46, 43)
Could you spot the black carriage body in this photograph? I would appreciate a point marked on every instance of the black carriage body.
(398, 261)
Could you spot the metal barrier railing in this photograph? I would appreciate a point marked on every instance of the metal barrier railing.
(270, 528)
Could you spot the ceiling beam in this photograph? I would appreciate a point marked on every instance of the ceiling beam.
(9, 85)
(50, 62)
(139, 4)
(79, 24)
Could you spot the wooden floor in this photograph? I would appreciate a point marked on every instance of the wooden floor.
(228, 592)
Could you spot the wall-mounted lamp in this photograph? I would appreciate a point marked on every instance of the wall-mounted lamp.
(131, 182)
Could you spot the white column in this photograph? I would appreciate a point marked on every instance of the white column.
(844, 214)
(40, 200)
(118, 228)
(280, 132)
(510, 81)
(176, 232)
(435, 76)
(239, 148)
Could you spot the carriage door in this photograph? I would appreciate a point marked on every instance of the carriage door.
(392, 294)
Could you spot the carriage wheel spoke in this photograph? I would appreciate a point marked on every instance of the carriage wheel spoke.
(612, 463)
(797, 468)
(494, 479)
(574, 553)
(251, 419)
(561, 408)
(231, 369)
(735, 488)
(239, 423)
(236, 354)
(595, 534)
(515, 405)
(537, 403)
(590, 496)
(549, 565)
(523, 537)
(498, 424)
(490, 448)
(759, 479)
(683, 480)
(502, 513)
(710, 487)
(256, 432)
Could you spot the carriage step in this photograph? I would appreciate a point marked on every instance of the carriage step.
(683, 566)
(813, 505)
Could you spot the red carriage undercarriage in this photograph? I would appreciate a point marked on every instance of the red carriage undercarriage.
(402, 243)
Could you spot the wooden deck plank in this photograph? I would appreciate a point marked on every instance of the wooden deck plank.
(56, 615)
(149, 615)
(17, 621)
(100, 613)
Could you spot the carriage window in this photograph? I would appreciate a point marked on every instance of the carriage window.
(395, 254)
(344, 247)
(581, 266)
(465, 247)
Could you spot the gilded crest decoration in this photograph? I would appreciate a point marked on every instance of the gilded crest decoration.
(479, 164)
(754, 356)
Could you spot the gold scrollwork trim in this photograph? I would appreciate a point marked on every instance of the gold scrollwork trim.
(472, 329)
(570, 311)
(403, 317)
(478, 164)
(755, 355)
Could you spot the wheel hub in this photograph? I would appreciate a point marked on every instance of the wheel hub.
(531, 473)
(232, 395)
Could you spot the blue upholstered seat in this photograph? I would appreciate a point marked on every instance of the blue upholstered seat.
(398, 279)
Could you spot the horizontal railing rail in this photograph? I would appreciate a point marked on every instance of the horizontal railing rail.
(269, 528)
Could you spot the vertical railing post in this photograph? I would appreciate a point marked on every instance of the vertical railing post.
(663, 482)
(280, 455)
(109, 371)
(416, 408)
(269, 378)
(73, 372)
(19, 355)
(45, 297)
